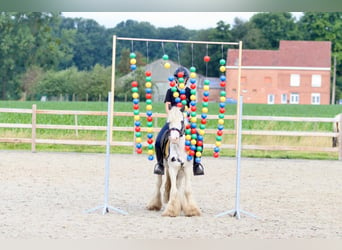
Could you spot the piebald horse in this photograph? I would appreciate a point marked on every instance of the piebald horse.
(178, 172)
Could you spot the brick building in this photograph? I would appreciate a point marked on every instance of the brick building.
(297, 73)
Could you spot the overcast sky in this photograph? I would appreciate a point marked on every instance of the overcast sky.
(189, 20)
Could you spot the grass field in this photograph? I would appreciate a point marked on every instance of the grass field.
(248, 109)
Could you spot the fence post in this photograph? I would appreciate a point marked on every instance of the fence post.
(34, 127)
(76, 124)
(340, 138)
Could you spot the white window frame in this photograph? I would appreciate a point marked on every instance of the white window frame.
(316, 81)
(295, 80)
(283, 98)
(316, 98)
(270, 99)
(294, 98)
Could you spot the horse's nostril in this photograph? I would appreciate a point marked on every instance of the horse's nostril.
(173, 159)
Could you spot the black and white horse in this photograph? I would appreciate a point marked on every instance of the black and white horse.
(178, 188)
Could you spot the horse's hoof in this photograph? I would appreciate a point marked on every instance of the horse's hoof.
(154, 207)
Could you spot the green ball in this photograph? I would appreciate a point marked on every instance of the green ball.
(184, 102)
(136, 112)
(194, 136)
(205, 104)
(132, 55)
(137, 134)
(188, 131)
(206, 82)
(199, 149)
(193, 114)
(223, 93)
(149, 124)
(150, 146)
(192, 69)
(148, 101)
(221, 116)
(165, 57)
(148, 79)
(218, 138)
(202, 126)
(222, 62)
(193, 91)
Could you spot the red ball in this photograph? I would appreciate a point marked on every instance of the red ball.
(134, 84)
(179, 105)
(206, 58)
(172, 84)
(193, 131)
(193, 86)
(148, 96)
(137, 129)
(150, 141)
(205, 99)
(187, 148)
(183, 97)
(149, 118)
(136, 106)
(148, 73)
(180, 74)
(187, 126)
(222, 110)
(139, 150)
(219, 132)
(216, 155)
(223, 84)
(204, 121)
(191, 152)
(199, 143)
(193, 108)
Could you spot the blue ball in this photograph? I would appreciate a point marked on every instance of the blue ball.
(171, 78)
(151, 157)
(204, 116)
(193, 103)
(206, 93)
(198, 159)
(200, 137)
(216, 149)
(222, 78)
(149, 113)
(177, 99)
(189, 158)
(192, 80)
(133, 67)
(193, 147)
(148, 90)
(136, 101)
(193, 125)
(137, 123)
(149, 136)
(220, 127)
(222, 104)
(182, 91)
(187, 143)
(138, 145)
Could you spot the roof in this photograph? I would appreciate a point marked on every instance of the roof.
(290, 54)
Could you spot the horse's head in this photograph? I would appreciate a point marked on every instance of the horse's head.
(176, 124)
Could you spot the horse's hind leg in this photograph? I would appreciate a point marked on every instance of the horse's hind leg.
(155, 203)
(189, 205)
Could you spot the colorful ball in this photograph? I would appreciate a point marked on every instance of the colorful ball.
(206, 58)
(133, 61)
(148, 84)
(148, 73)
(222, 62)
(134, 84)
(167, 65)
(132, 55)
(165, 57)
(222, 69)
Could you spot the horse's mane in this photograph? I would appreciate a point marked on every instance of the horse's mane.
(175, 115)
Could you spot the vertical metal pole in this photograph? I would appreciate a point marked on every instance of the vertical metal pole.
(238, 96)
(112, 87)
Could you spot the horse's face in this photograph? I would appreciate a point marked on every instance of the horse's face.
(175, 133)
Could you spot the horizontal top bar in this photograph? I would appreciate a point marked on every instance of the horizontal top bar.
(174, 41)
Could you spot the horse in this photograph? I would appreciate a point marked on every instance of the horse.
(178, 172)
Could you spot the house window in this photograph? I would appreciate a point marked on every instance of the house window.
(294, 98)
(295, 80)
(316, 80)
(283, 98)
(270, 99)
(315, 98)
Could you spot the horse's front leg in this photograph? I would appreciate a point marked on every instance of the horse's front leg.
(156, 203)
(173, 207)
(189, 205)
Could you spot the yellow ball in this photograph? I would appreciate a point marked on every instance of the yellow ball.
(193, 119)
(167, 65)
(138, 139)
(193, 142)
(148, 84)
(150, 152)
(175, 94)
(135, 95)
(218, 144)
(206, 87)
(222, 99)
(193, 98)
(136, 118)
(188, 137)
(149, 130)
(201, 132)
(198, 154)
(149, 107)
(204, 110)
(133, 61)
(222, 68)
(181, 85)
(221, 121)
(193, 75)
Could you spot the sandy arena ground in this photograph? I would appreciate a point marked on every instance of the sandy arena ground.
(45, 196)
